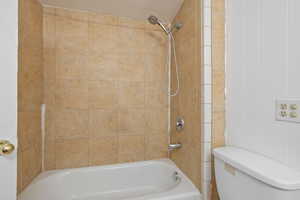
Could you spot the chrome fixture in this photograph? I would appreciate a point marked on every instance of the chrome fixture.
(173, 147)
(176, 27)
(176, 176)
(154, 20)
(179, 124)
(172, 49)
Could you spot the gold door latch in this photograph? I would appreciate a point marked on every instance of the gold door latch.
(6, 147)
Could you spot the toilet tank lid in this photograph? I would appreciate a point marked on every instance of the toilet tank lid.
(260, 167)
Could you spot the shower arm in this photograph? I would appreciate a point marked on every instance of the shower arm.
(164, 28)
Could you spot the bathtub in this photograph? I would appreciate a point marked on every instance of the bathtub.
(148, 180)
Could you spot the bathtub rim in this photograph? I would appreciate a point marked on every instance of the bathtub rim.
(164, 161)
(186, 182)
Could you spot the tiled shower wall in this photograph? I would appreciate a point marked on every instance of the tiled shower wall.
(106, 86)
(30, 91)
(187, 103)
(218, 80)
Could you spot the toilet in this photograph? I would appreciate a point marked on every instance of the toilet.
(243, 175)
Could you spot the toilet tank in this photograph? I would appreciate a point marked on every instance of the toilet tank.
(243, 175)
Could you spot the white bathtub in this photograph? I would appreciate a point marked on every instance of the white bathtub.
(149, 180)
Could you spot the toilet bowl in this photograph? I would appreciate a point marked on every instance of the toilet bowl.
(243, 175)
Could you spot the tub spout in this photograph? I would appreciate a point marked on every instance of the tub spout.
(173, 147)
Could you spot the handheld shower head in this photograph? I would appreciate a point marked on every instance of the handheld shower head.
(155, 21)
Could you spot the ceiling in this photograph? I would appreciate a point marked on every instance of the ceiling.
(136, 9)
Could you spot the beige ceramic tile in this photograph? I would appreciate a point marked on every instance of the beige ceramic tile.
(131, 121)
(103, 123)
(151, 27)
(218, 6)
(156, 120)
(186, 104)
(132, 66)
(19, 171)
(103, 151)
(72, 14)
(71, 65)
(49, 92)
(218, 129)
(31, 62)
(30, 92)
(49, 31)
(31, 24)
(218, 32)
(50, 126)
(132, 23)
(104, 67)
(103, 39)
(156, 146)
(194, 169)
(218, 35)
(187, 49)
(72, 123)
(102, 94)
(38, 156)
(27, 172)
(49, 159)
(131, 144)
(131, 94)
(47, 10)
(218, 91)
(155, 42)
(71, 36)
(187, 30)
(72, 153)
(218, 61)
(156, 97)
(49, 64)
(30, 20)
(29, 128)
(103, 19)
(131, 148)
(131, 40)
(132, 157)
(156, 68)
(72, 94)
(97, 72)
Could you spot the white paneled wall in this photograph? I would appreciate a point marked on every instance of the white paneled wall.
(206, 100)
(263, 64)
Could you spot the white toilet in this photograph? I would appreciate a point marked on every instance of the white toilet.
(242, 175)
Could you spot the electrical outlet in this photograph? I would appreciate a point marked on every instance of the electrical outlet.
(288, 110)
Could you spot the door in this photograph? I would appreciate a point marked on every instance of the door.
(8, 97)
